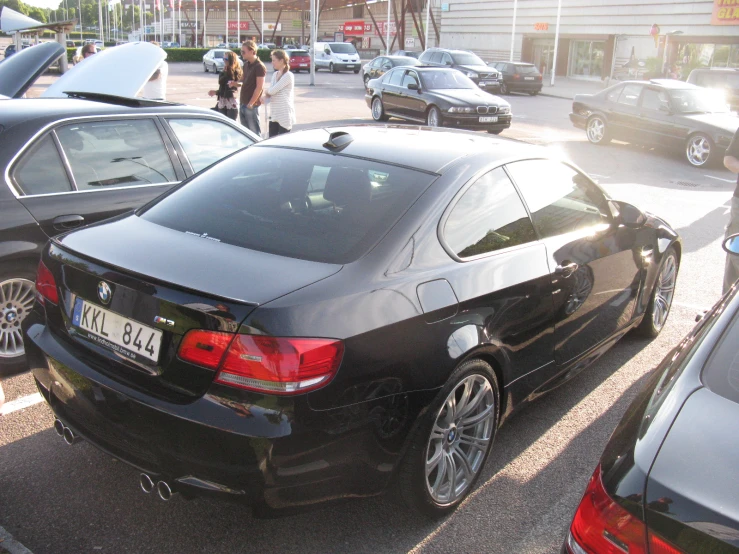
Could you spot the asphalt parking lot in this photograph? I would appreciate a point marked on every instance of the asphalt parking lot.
(58, 499)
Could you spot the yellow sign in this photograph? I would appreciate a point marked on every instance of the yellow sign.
(725, 12)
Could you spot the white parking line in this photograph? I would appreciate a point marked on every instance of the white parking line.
(11, 545)
(21, 403)
(720, 179)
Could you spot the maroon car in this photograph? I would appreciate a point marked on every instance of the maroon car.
(299, 60)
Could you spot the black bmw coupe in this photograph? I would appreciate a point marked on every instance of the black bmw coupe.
(437, 97)
(334, 309)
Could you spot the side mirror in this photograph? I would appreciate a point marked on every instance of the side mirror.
(628, 215)
(414, 86)
(731, 244)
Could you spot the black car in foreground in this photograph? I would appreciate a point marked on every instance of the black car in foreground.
(660, 113)
(334, 310)
(68, 162)
(667, 480)
(484, 76)
(437, 97)
(519, 77)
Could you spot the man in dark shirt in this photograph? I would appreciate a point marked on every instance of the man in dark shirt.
(731, 161)
(251, 87)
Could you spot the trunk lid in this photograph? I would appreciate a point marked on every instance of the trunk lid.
(20, 71)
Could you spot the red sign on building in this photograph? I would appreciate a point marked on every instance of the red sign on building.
(232, 25)
(355, 28)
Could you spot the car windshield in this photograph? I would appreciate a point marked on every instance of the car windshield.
(309, 205)
(451, 79)
(698, 101)
(467, 58)
(343, 49)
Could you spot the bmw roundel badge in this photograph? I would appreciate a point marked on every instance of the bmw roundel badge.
(104, 292)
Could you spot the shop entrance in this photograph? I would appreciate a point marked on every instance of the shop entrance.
(543, 57)
(586, 59)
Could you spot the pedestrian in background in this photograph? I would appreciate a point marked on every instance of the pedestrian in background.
(252, 85)
(156, 87)
(227, 104)
(281, 95)
(731, 161)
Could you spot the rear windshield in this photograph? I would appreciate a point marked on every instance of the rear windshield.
(343, 48)
(721, 373)
(294, 53)
(526, 69)
(309, 205)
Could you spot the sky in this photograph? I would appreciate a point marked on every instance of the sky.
(52, 4)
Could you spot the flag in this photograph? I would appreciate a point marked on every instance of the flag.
(171, 4)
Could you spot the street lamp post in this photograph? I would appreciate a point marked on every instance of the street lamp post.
(556, 42)
(513, 27)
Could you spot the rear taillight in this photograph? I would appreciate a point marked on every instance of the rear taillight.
(516, 76)
(46, 285)
(601, 526)
(272, 365)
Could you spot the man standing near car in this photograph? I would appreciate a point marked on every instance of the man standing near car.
(731, 161)
(251, 87)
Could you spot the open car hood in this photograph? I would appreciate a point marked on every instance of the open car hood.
(117, 71)
(20, 71)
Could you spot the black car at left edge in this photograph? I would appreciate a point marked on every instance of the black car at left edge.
(71, 161)
(667, 482)
(333, 310)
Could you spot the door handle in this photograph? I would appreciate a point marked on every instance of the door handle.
(66, 222)
(566, 270)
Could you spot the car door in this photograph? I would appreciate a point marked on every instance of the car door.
(202, 141)
(82, 172)
(596, 270)
(623, 114)
(658, 123)
(391, 90)
(502, 278)
(411, 102)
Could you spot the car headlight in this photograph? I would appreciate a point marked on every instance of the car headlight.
(461, 110)
(504, 109)
(472, 75)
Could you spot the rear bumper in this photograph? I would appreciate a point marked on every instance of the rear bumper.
(267, 451)
(524, 86)
(578, 120)
(346, 66)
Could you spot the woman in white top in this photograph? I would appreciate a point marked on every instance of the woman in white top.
(281, 95)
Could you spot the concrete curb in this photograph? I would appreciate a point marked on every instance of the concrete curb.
(10, 545)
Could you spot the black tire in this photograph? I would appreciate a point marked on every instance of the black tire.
(433, 117)
(700, 151)
(315, 68)
(595, 136)
(13, 365)
(534, 92)
(495, 132)
(366, 80)
(331, 68)
(205, 67)
(651, 325)
(504, 88)
(356, 71)
(413, 482)
(378, 110)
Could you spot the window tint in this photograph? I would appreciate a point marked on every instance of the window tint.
(409, 78)
(396, 77)
(560, 199)
(376, 63)
(446, 59)
(309, 205)
(653, 99)
(40, 171)
(527, 70)
(426, 56)
(721, 373)
(630, 95)
(614, 94)
(436, 57)
(206, 141)
(116, 153)
(488, 217)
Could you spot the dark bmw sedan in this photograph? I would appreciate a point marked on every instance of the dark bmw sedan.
(659, 113)
(437, 97)
(335, 310)
(667, 480)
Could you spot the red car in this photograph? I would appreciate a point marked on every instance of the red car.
(299, 60)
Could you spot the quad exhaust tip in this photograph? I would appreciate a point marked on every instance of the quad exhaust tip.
(59, 427)
(146, 482)
(65, 432)
(165, 492)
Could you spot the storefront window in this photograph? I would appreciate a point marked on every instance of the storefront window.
(693, 56)
(586, 58)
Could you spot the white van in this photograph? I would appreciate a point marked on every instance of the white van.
(336, 56)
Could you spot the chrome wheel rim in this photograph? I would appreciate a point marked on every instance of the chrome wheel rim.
(433, 117)
(503, 88)
(377, 109)
(459, 439)
(698, 151)
(16, 301)
(664, 291)
(596, 130)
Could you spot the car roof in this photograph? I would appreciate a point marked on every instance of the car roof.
(432, 148)
(452, 50)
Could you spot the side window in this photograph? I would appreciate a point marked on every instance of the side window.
(396, 77)
(488, 217)
(377, 63)
(409, 78)
(206, 141)
(614, 94)
(446, 59)
(425, 57)
(630, 95)
(40, 170)
(653, 99)
(436, 57)
(560, 199)
(116, 153)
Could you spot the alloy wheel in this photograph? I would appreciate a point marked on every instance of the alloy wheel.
(16, 301)
(664, 291)
(503, 88)
(434, 118)
(459, 439)
(377, 109)
(596, 130)
(698, 150)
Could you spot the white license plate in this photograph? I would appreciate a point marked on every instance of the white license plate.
(303, 65)
(485, 83)
(528, 78)
(350, 67)
(489, 119)
(115, 332)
